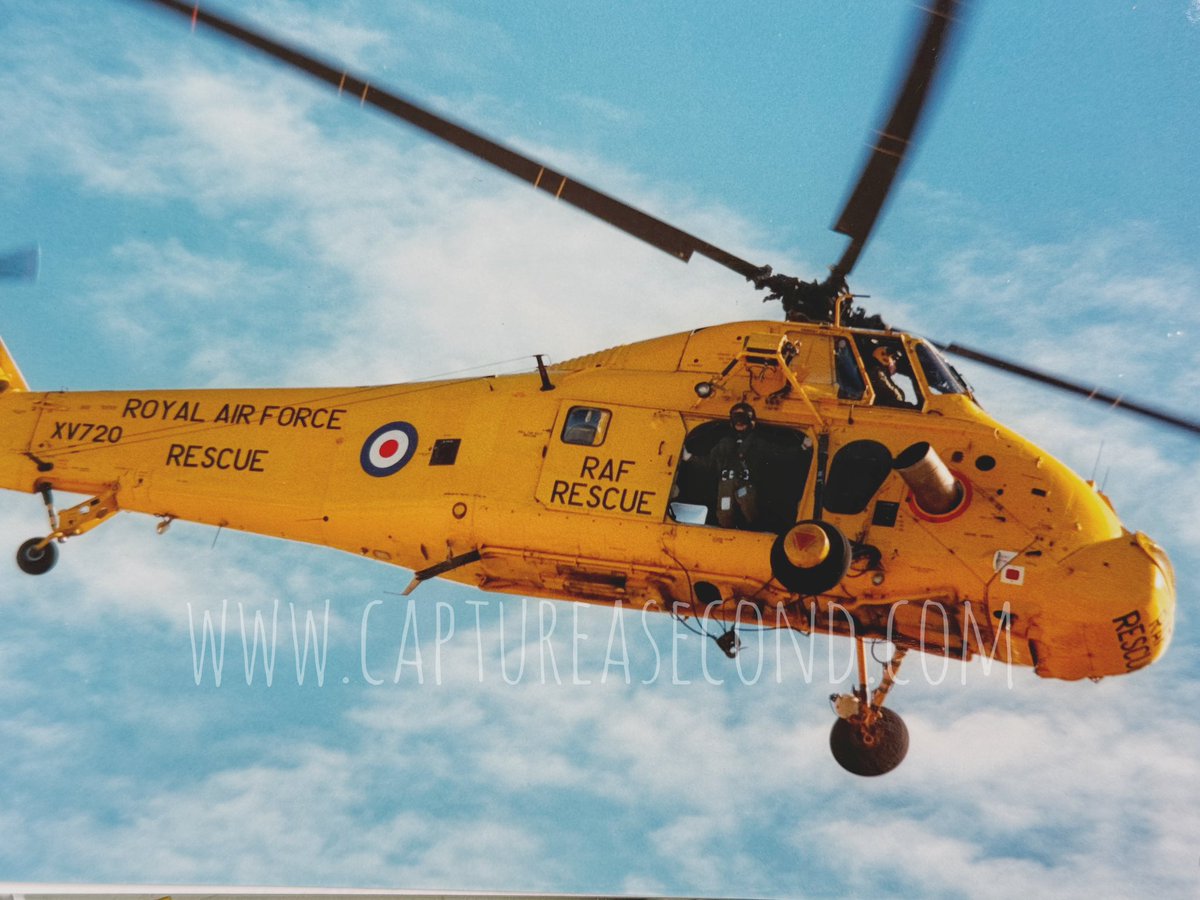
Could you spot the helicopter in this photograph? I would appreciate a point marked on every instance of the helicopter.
(931, 524)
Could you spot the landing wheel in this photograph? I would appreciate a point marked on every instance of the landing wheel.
(869, 750)
(34, 560)
(810, 558)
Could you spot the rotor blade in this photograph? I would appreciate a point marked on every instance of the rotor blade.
(1091, 393)
(893, 140)
(633, 221)
(21, 263)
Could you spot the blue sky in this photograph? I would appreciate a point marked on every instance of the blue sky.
(208, 220)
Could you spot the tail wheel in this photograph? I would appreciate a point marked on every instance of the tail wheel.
(810, 557)
(35, 560)
(873, 749)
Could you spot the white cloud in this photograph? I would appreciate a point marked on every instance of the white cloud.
(291, 822)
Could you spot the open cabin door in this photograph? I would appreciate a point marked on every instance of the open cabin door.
(614, 461)
(604, 486)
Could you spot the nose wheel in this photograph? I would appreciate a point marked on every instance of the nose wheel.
(869, 749)
(868, 739)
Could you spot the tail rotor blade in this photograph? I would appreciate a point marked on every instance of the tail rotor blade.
(21, 264)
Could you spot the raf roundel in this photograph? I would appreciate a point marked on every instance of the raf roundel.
(388, 449)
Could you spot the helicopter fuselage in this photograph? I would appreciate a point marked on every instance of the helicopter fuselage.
(595, 481)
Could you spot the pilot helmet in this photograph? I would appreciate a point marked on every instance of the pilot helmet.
(742, 414)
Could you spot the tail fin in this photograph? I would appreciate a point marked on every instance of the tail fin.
(11, 378)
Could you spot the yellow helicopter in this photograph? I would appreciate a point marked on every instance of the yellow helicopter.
(823, 473)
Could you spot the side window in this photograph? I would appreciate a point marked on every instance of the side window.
(586, 426)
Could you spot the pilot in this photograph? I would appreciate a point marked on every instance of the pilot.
(880, 369)
(737, 501)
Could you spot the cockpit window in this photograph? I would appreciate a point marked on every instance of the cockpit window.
(585, 426)
(889, 371)
(939, 374)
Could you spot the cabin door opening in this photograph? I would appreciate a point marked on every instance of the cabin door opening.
(747, 482)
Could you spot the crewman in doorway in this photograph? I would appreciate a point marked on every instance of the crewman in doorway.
(737, 496)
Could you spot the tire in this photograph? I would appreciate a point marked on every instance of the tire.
(820, 578)
(33, 561)
(874, 753)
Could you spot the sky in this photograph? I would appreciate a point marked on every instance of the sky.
(208, 220)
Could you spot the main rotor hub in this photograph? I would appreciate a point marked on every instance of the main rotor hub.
(827, 302)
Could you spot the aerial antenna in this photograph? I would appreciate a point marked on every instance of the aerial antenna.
(1096, 464)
